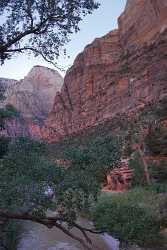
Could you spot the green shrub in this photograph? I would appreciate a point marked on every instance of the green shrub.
(127, 220)
(156, 140)
(8, 112)
(4, 143)
(158, 188)
(159, 172)
(100, 154)
(161, 109)
(10, 235)
(137, 165)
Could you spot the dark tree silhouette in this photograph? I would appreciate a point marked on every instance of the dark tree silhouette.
(40, 27)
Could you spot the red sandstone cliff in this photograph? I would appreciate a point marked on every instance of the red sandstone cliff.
(118, 73)
(141, 21)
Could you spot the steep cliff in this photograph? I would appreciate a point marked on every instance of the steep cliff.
(33, 97)
(116, 74)
(141, 21)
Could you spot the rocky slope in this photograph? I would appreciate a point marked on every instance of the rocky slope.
(119, 73)
(33, 97)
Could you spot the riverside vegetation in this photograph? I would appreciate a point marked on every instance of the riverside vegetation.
(137, 216)
(30, 167)
(27, 174)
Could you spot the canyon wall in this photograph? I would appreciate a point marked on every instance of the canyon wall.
(116, 74)
(141, 21)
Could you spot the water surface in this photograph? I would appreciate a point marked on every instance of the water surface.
(38, 237)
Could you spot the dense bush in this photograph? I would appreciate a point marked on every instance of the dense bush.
(159, 172)
(156, 140)
(127, 220)
(8, 112)
(157, 188)
(10, 234)
(99, 154)
(4, 143)
(136, 164)
(25, 175)
(161, 108)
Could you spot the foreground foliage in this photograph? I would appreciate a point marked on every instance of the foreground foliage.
(39, 27)
(136, 164)
(159, 172)
(133, 217)
(31, 184)
(9, 235)
(156, 140)
(98, 156)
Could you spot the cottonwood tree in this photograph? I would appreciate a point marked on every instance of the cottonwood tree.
(31, 184)
(41, 27)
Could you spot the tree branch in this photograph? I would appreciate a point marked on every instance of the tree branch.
(20, 50)
(31, 30)
(51, 222)
(80, 240)
(37, 29)
(45, 221)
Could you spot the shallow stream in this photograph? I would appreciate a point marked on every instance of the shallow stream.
(38, 237)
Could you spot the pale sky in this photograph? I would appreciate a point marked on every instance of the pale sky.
(96, 25)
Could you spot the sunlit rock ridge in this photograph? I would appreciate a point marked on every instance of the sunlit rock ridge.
(116, 74)
(33, 97)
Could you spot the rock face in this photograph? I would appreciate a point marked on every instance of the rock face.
(141, 21)
(116, 74)
(33, 97)
(119, 179)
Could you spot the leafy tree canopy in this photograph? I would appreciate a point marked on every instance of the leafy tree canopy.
(8, 112)
(99, 155)
(31, 184)
(41, 27)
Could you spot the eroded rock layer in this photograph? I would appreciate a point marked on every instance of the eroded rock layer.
(116, 74)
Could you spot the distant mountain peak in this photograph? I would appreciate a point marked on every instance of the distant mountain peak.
(32, 96)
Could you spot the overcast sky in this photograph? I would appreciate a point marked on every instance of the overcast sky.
(98, 24)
